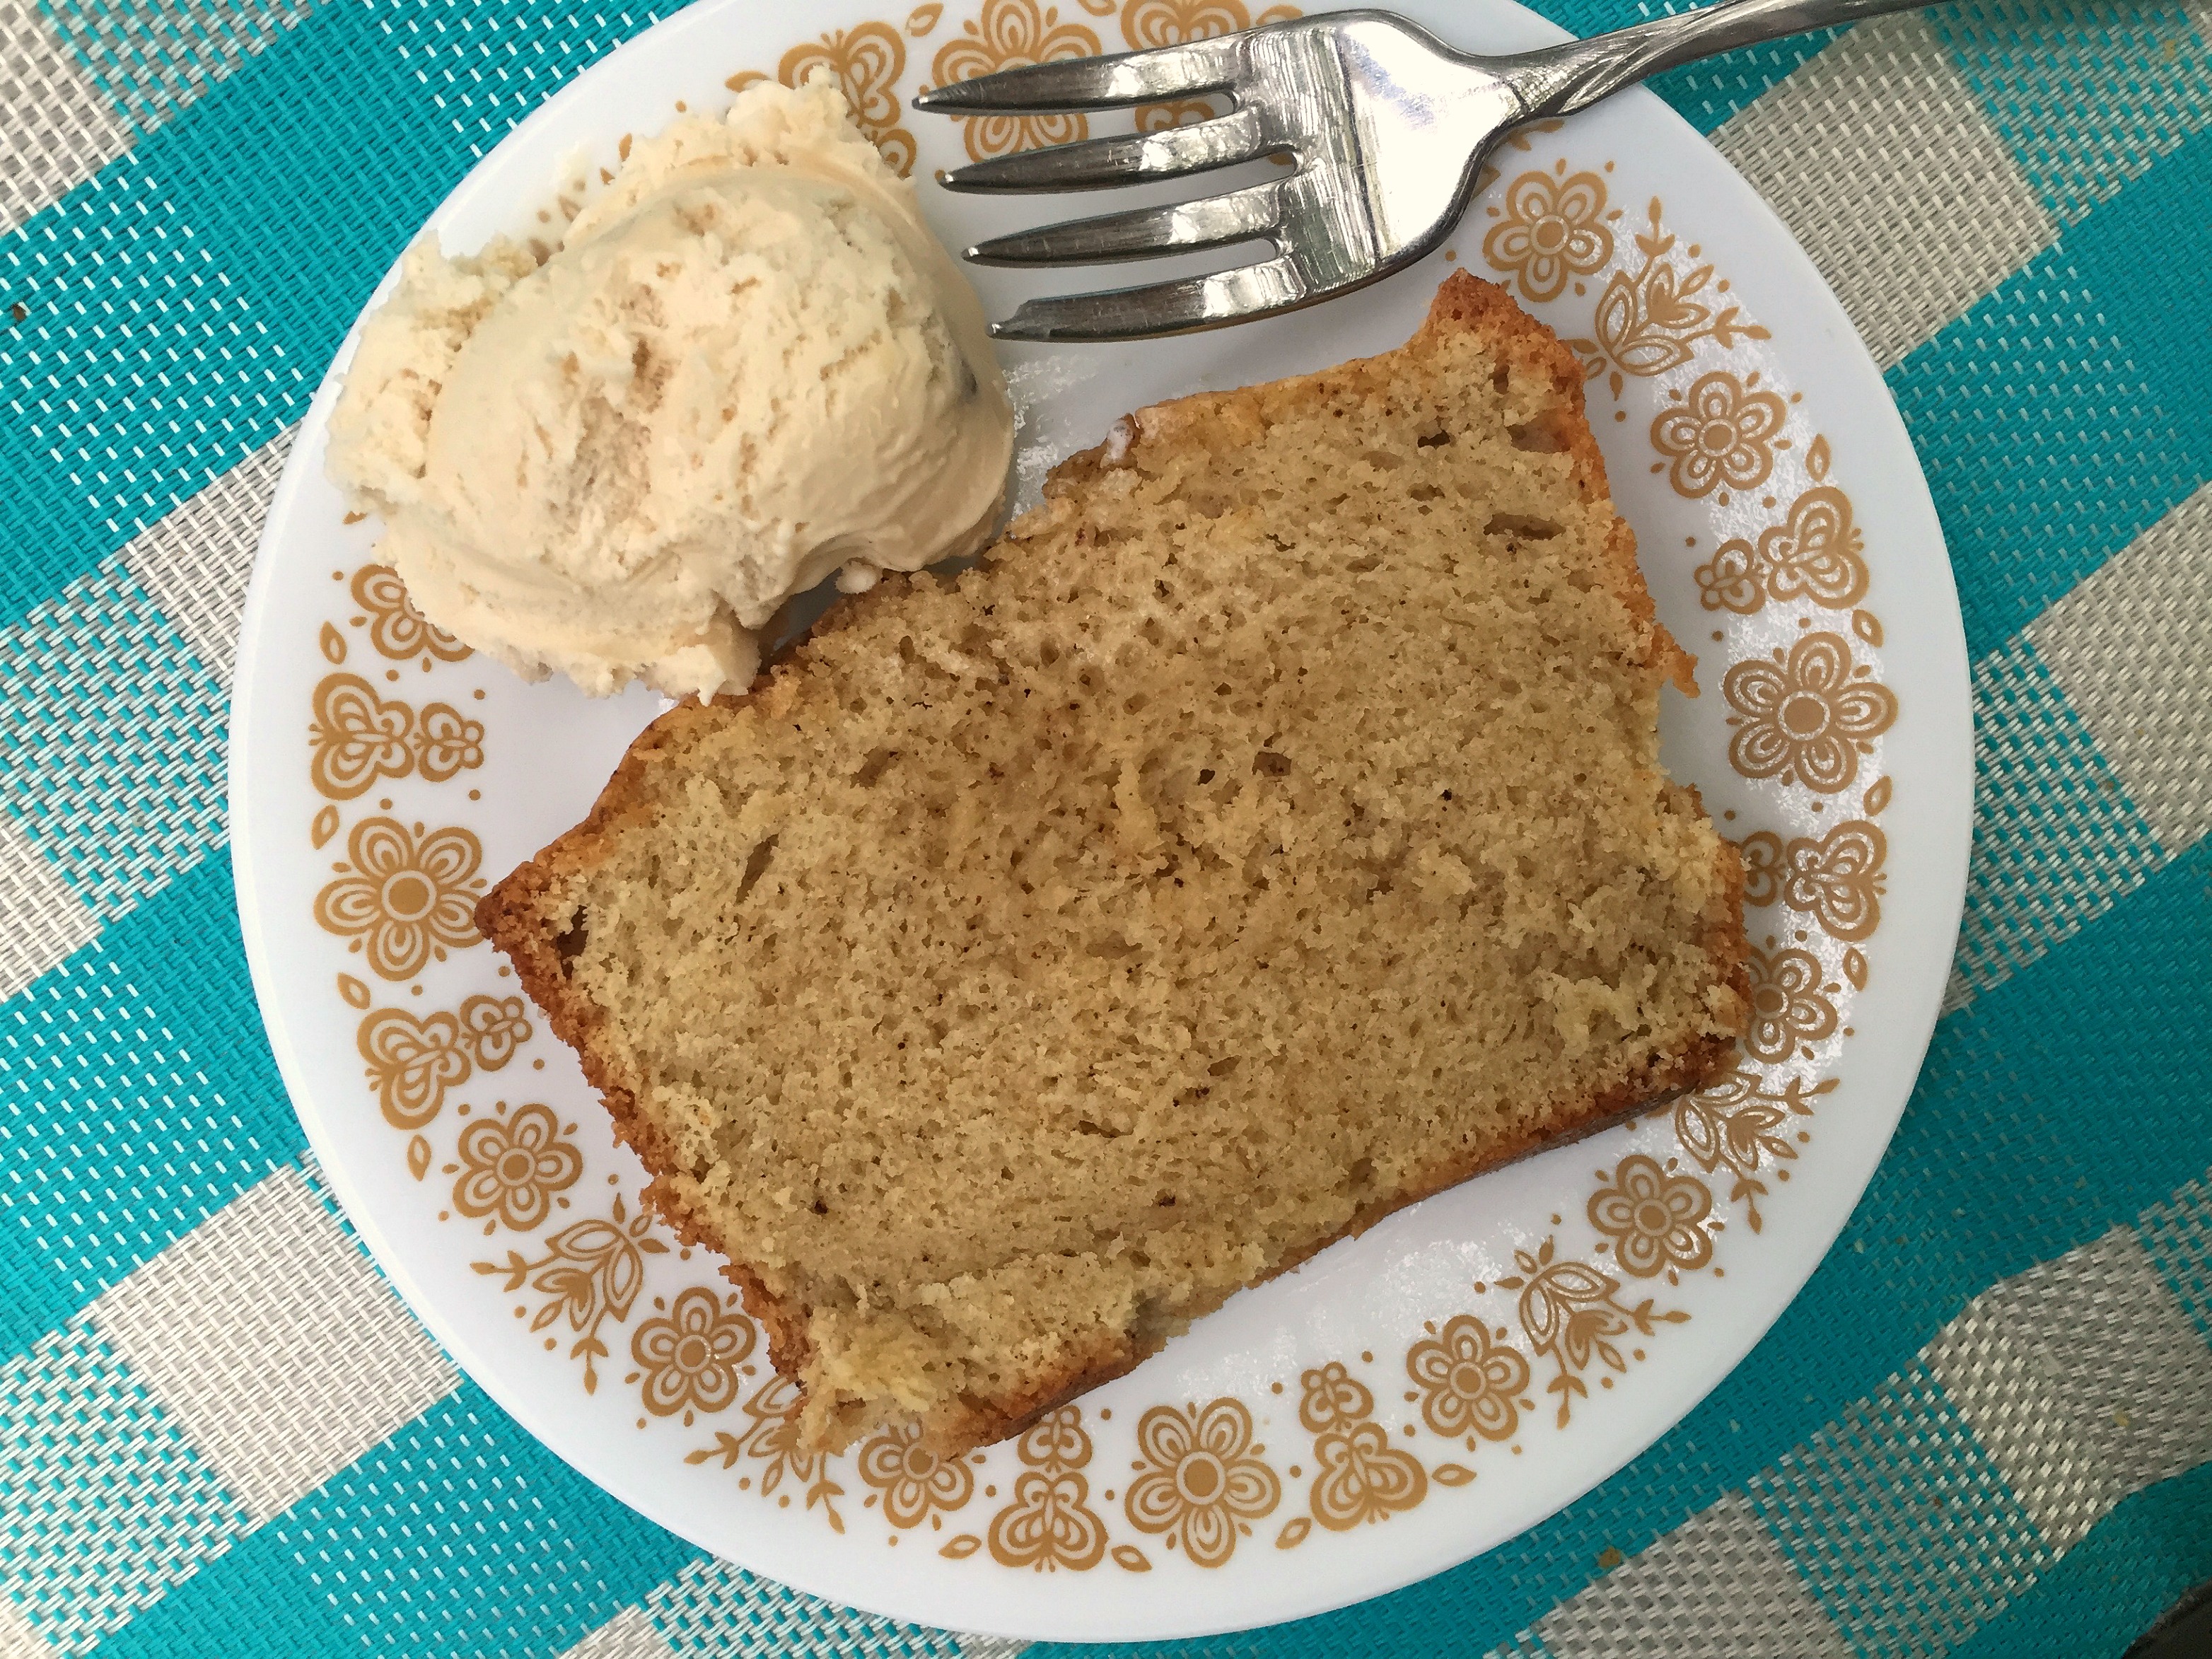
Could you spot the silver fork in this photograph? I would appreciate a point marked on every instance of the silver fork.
(1386, 125)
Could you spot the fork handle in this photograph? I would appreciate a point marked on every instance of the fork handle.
(1560, 80)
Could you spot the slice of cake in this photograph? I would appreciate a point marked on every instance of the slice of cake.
(1270, 834)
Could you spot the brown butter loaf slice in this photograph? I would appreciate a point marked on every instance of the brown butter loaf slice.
(1270, 835)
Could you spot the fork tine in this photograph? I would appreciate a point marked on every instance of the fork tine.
(1176, 227)
(1081, 83)
(1144, 314)
(1127, 159)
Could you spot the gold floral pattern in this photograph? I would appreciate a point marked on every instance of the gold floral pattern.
(1813, 555)
(688, 1354)
(1650, 321)
(771, 1440)
(1551, 228)
(915, 1483)
(1808, 715)
(1007, 34)
(1837, 878)
(1735, 1123)
(1720, 431)
(1050, 1524)
(493, 1028)
(590, 1271)
(512, 1165)
(1790, 1004)
(357, 736)
(447, 743)
(404, 896)
(399, 632)
(1470, 1381)
(1761, 852)
(1653, 1218)
(1199, 1482)
(1148, 24)
(1362, 1477)
(412, 1063)
(1573, 1315)
(1202, 1481)
(868, 61)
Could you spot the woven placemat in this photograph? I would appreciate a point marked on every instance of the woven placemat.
(1985, 1427)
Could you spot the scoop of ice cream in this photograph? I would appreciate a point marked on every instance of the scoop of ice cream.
(746, 365)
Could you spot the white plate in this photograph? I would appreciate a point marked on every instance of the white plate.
(1405, 1399)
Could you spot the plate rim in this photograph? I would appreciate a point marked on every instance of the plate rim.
(492, 1373)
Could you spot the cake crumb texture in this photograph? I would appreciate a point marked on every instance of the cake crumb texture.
(1270, 833)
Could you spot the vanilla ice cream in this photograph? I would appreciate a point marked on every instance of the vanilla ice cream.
(746, 365)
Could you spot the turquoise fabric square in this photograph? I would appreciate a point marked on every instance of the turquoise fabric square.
(2143, 255)
(106, 1504)
(713, 1609)
(2022, 1071)
(2044, 443)
(1899, 1523)
(260, 1603)
(2088, 95)
(1587, 17)
(489, 64)
(2055, 839)
(461, 1534)
(137, 1096)
(138, 371)
(112, 740)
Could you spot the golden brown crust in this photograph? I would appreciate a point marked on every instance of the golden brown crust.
(509, 913)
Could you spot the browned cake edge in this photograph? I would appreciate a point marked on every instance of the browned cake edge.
(508, 915)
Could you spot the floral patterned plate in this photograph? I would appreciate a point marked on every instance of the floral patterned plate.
(1406, 1398)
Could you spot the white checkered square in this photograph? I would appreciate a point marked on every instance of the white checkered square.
(59, 129)
(2083, 1380)
(18, 1639)
(45, 921)
(196, 559)
(268, 1337)
(628, 1635)
(104, 1504)
(2132, 645)
(1920, 210)
(1716, 1584)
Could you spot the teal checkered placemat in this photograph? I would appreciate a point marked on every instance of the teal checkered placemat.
(1985, 1428)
